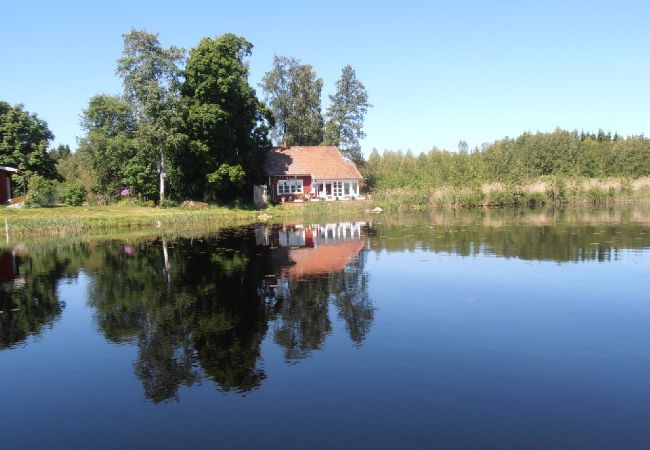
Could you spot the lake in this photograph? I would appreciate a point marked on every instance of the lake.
(451, 329)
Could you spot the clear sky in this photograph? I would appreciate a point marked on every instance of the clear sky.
(436, 72)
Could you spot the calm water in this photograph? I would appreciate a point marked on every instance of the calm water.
(500, 329)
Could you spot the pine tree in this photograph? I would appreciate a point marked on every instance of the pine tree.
(345, 115)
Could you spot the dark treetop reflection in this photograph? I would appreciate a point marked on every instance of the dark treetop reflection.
(201, 307)
(460, 329)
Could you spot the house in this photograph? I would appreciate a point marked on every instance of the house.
(5, 183)
(312, 250)
(301, 173)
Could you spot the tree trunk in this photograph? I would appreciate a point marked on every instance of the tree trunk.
(162, 177)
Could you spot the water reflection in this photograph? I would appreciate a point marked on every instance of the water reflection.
(561, 235)
(28, 289)
(200, 308)
(318, 266)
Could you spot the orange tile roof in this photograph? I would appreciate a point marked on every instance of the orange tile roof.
(321, 162)
(323, 258)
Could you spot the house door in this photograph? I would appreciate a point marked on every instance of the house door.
(338, 188)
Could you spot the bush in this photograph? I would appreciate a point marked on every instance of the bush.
(534, 199)
(72, 194)
(596, 196)
(557, 190)
(40, 193)
(135, 201)
(168, 203)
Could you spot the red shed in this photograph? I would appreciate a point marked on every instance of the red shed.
(5, 183)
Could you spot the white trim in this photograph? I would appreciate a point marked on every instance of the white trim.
(338, 187)
(287, 187)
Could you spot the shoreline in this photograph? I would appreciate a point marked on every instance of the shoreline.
(120, 219)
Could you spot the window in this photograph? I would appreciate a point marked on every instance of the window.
(289, 187)
(346, 188)
(338, 188)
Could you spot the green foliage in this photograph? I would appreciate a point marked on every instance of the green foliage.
(40, 192)
(110, 148)
(72, 193)
(60, 152)
(227, 125)
(226, 176)
(168, 203)
(344, 117)
(24, 139)
(559, 155)
(557, 190)
(293, 91)
(151, 77)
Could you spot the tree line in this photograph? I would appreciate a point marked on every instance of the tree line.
(188, 125)
(525, 158)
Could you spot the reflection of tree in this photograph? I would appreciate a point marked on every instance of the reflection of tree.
(352, 300)
(198, 310)
(200, 306)
(29, 301)
(303, 321)
(561, 235)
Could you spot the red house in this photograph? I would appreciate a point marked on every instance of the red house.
(311, 173)
(5, 183)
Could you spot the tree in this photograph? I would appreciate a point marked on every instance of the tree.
(61, 152)
(227, 125)
(151, 79)
(24, 139)
(463, 147)
(110, 146)
(348, 107)
(293, 92)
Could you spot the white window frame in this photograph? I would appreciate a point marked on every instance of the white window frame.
(287, 187)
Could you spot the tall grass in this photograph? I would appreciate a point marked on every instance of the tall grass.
(543, 191)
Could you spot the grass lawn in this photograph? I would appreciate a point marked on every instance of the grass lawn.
(103, 219)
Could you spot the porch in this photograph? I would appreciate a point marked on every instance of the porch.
(329, 190)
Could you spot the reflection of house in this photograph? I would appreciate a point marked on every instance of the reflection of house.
(7, 267)
(5, 183)
(317, 173)
(315, 249)
(323, 259)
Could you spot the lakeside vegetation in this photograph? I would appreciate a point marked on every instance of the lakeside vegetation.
(113, 219)
(531, 170)
(189, 126)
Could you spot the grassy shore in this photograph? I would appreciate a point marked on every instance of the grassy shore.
(544, 191)
(116, 218)
(104, 220)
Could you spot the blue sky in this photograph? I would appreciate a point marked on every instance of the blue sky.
(436, 72)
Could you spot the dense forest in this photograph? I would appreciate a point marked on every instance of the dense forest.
(520, 160)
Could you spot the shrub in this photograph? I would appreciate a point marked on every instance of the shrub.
(72, 194)
(557, 190)
(168, 203)
(596, 196)
(40, 193)
(534, 199)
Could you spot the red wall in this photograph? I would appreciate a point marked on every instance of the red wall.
(7, 267)
(306, 187)
(4, 195)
